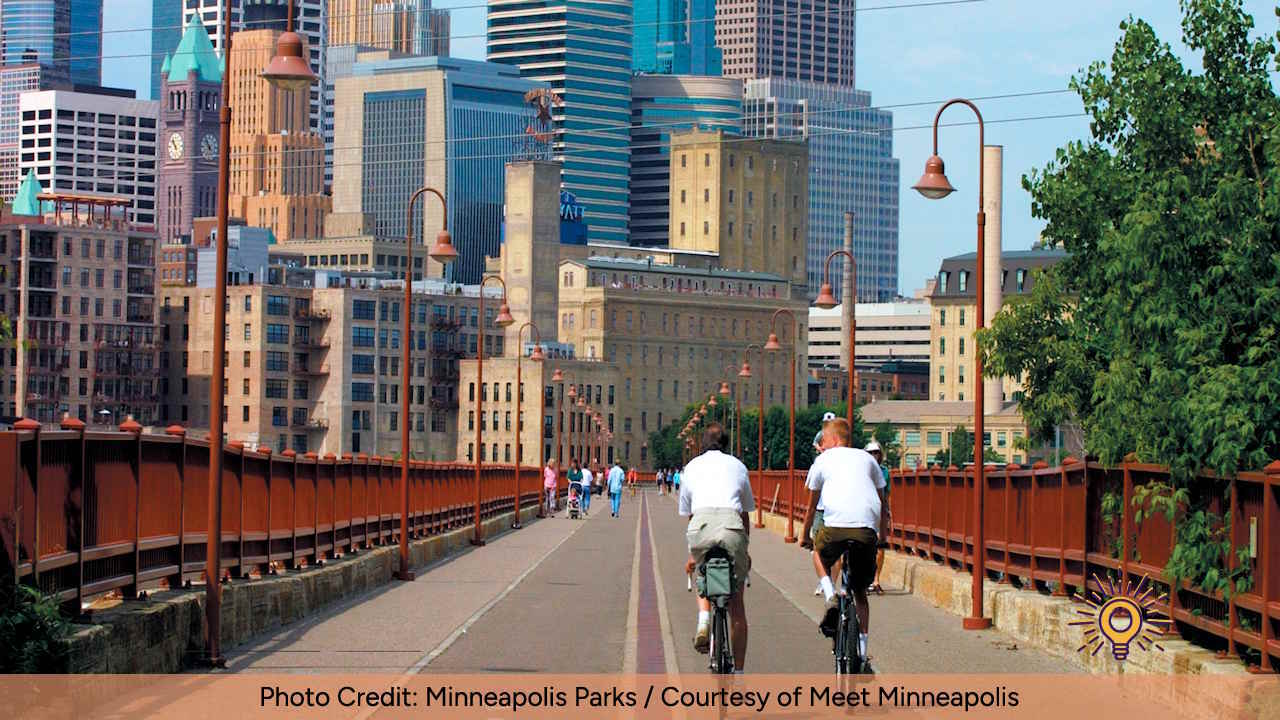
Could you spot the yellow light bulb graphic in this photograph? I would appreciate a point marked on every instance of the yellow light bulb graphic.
(1120, 620)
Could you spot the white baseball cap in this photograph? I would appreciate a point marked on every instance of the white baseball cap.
(828, 416)
(873, 446)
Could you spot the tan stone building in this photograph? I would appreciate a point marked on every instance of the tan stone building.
(79, 289)
(319, 368)
(744, 200)
(925, 427)
(407, 26)
(953, 311)
(277, 162)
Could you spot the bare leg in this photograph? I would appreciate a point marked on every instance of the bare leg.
(863, 608)
(738, 623)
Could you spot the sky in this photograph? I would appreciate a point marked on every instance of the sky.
(906, 55)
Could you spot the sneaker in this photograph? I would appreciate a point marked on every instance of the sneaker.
(832, 618)
(817, 592)
(702, 639)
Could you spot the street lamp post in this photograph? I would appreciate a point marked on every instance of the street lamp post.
(745, 373)
(933, 184)
(773, 345)
(442, 252)
(535, 356)
(503, 319)
(827, 300)
(286, 70)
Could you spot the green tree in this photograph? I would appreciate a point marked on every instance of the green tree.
(888, 439)
(962, 446)
(1160, 333)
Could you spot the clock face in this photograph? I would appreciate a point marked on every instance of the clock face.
(209, 146)
(175, 146)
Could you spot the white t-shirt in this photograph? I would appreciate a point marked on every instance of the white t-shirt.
(586, 478)
(848, 479)
(715, 480)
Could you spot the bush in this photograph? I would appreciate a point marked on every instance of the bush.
(32, 629)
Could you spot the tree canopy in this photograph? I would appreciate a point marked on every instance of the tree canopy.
(1158, 334)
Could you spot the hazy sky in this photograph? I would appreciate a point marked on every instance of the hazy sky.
(905, 55)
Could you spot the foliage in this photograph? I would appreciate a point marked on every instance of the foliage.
(667, 448)
(1203, 542)
(888, 439)
(31, 631)
(1159, 333)
(962, 448)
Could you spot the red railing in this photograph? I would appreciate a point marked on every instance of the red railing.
(1046, 526)
(84, 512)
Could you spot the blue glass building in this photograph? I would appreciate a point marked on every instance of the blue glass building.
(582, 49)
(675, 37)
(461, 146)
(660, 103)
(63, 34)
(851, 167)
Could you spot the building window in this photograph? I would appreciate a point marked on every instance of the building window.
(682, 160)
(1021, 279)
(942, 346)
(964, 280)
(961, 317)
(935, 437)
(942, 318)
(913, 438)
(942, 283)
(942, 374)
(962, 346)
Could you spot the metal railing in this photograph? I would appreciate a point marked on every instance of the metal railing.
(84, 512)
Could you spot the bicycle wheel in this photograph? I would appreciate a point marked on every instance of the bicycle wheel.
(724, 649)
(840, 644)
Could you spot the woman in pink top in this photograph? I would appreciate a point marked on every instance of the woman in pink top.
(550, 478)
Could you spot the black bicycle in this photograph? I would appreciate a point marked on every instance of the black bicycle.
(845, 643)
(715, 583)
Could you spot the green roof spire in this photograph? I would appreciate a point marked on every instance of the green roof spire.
(27, 201)
(164, 66)
(195, 54)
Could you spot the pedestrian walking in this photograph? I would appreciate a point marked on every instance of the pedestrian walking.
(550, 478)
(633, 477)
(586, 490)
(615, 487)
(575, 477)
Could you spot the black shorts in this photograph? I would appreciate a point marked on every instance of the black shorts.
(831, 542)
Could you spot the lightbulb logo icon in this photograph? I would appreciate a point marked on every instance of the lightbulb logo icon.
(1121, 614)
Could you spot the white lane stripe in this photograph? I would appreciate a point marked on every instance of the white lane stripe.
(668, 644)
(629, 653)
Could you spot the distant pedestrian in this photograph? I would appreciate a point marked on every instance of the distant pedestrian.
(666, 478)
(616, 477)
(633, 477)
(586, 490)
(550, 478)
(575, 478)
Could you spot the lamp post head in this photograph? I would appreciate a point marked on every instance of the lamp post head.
(826, 299)
(288, 70)
(933, 184)
(745, 372)
(724, 387)
(443, 252)
(573, 390)
(537, 355)
(772, 344)
(557, 376)
(504, 315)
(711, 402)
(582, 402)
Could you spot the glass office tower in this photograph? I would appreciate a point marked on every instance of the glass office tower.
(659, 104)
(582, 49)
(62, 34)
(675, 37)
(851, 167)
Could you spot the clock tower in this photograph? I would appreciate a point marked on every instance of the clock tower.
(187, 166)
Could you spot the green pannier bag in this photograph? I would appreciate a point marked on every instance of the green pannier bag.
(717, 578)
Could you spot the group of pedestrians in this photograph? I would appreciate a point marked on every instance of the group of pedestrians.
(582, 481)
(667, 480)
(847, 516)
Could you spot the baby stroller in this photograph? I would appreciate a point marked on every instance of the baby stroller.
(575, 502)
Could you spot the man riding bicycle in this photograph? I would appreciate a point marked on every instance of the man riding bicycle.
(716, 493)
(848, 484)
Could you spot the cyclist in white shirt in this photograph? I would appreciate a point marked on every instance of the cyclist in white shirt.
(716, 493)
(848, 484)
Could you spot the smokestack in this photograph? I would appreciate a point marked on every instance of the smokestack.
(993, 191)
(847, 297)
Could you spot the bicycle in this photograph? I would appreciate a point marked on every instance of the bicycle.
(844, 646)
(715, 583)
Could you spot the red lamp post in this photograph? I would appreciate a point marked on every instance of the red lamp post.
(827, 300)
(745, 373)
(773, 345)
(933, 184)
(502, 320)
(535, 356)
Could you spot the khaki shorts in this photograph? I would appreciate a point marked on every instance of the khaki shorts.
(830, 544)
(723, 528)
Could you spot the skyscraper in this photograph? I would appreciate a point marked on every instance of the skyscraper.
(806, 41)
(412, 27)
(851, 168)
(582, 48)
(660, 104)
(63, 34)
(675, 37)
(310, 20)
(14, 81)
